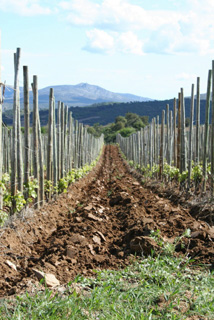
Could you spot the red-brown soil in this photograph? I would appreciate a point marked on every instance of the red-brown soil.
(103, 219)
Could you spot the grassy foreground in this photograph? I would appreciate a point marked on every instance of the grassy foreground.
(163, 287)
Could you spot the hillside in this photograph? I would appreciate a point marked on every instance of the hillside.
(106, 113)
(80, 95)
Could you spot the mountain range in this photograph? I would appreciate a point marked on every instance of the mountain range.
(82, 94)
(100, 105)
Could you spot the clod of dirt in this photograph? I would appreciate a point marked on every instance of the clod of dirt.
(78, 239)
(143, 245)
(71, 252)
(199, 234)
(115, 200)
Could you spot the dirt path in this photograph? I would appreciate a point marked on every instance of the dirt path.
(99, 223)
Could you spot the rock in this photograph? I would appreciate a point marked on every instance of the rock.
(175, 210)
(91, 249)
(120, 254)
(11, 265)
(89, 207)
(50, 279)
(102, 236)
(136, 183)
(62, 289)
(93, 217)
(97, 240)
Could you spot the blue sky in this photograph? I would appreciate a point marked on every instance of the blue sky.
(150, 48)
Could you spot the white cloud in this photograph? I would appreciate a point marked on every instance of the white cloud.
(24, 7)
(99, 41)
(129, 43)
(130, 28)
(115, 14)
(80, 12)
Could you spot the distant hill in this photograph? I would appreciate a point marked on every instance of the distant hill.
(82, 94)
(106, 113)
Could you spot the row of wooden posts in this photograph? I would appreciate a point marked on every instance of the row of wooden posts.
(171, 142)
(67, 145)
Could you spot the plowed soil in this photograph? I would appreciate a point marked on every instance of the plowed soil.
(103, 220)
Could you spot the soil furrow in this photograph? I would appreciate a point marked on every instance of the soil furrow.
(102, 221)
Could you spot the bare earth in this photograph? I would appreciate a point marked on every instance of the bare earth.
(99, 224)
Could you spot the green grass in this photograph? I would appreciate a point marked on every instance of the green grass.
(164, 287)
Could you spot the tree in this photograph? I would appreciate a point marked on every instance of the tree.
(118, 126)
(126, 132)
(145, 120)
(131, 119)
(121, 119)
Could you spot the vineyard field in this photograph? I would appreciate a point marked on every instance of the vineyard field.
(102, 222)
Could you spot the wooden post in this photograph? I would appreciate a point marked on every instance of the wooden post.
(55, 156)
(179, 134)
(190, 137)
(175, 137)
(80, 142)
(170, 137)
(212, 135)
(158, 140)
(62, 138)
(50, 138)
(167, 133)
(14, 138)
(155, 139)
(19, 142)
(162, 144)
(66, 140)
(197, 155)
(183, 133)
(76, 155)
(150, 145)
(59, 140)
(1, 102)
(41, 163)
(35, 137)
(27, 129)
(70, 141)
(206, 132)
